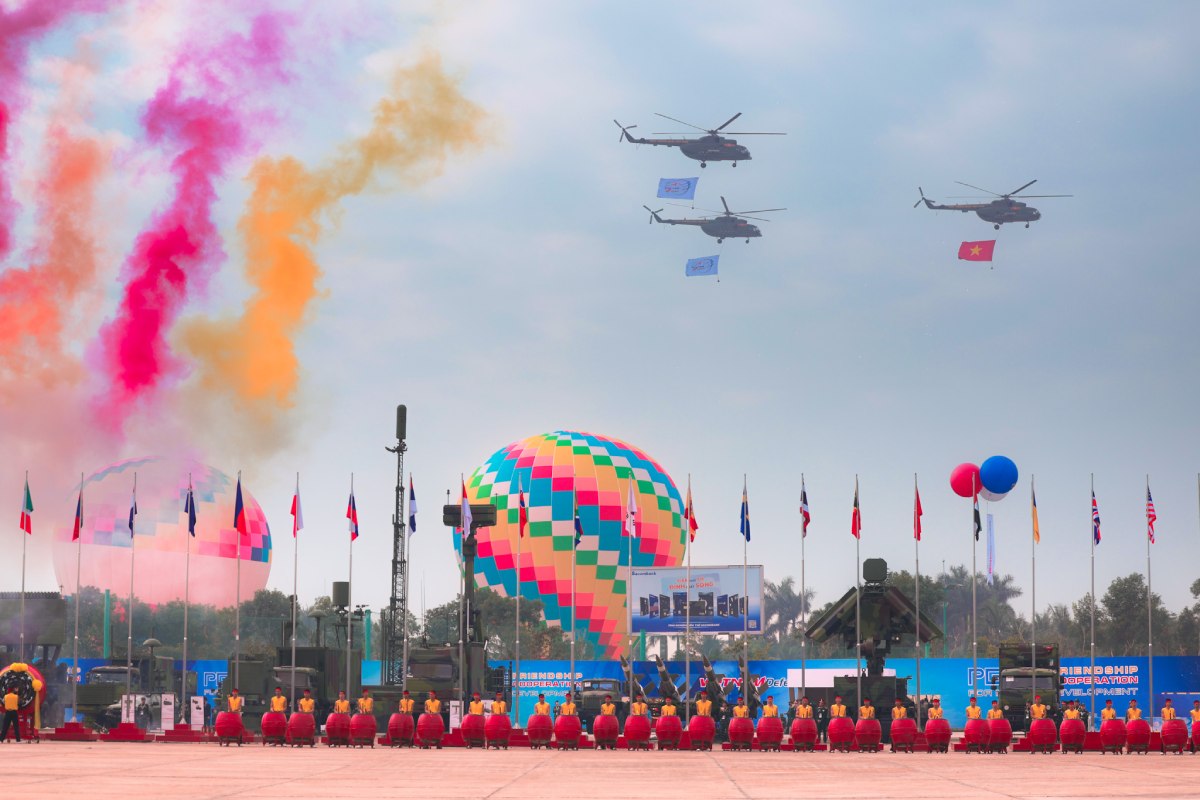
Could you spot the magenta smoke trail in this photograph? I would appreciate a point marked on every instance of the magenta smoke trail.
(175, 255)
(19, 29)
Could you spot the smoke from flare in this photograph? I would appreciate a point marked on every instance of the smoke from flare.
(424, 119)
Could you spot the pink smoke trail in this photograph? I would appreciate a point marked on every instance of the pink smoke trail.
(175, 255)
(19, 29)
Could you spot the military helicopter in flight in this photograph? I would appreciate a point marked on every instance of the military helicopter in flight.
(710, 147)
(999, 211)
(727, 225)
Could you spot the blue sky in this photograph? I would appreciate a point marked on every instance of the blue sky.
(523, 290)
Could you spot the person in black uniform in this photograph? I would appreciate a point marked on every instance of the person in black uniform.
(822, 716)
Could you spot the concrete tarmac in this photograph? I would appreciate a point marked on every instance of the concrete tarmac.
(98, 771)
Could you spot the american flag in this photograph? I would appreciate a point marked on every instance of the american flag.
(1151, 517)
(1095, 520)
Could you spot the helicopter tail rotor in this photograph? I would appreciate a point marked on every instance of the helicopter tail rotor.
(653, 215)
(624, 131)
(922, 200)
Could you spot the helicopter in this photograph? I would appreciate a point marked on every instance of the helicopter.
(726, 226)
(710, 147)
(1005, 208)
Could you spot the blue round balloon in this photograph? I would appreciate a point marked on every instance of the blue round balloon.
(998, 474)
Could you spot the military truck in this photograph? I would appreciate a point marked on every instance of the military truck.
(591, 694)
(320, 669)
(1025, 671)
(99, 696)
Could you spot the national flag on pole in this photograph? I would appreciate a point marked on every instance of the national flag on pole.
(133, 507)
(522, 510)
(239, 513)
(1095, 520)
(189, 508)
(689, 513)
(978, 521)
(412, 507)
(1151, 517)
(1037, 533)
(991, 549)
(27, 510)
(805, 516)
(856, 515)
(297, 513)
(352, 515)
(467, 519)
(976, 251)
(578, 525)
(78, 517)
(917, 512)
(631, 528)
(745, 527)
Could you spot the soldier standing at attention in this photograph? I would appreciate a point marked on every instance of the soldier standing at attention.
(638, 707)
(234, 702)
(822, 717)
(995, 712)
(306, 704)
(1195, 712)
(406, 703)
(498, 705)
(12, 703)
(704, 706)
(1168, 710)
(973, 710)
(741, 710)
(607, 708)
(366, 704)
(278, 701)
(769, 708)
(541, 706)
(567, 707)
(476, 706)
(432, 704)
(1134, 712)
(668, 708)
(1071, 712)
(1108, 712)
(899, 711)
(866, 710)
(341, 705)
(1038, 709)
(935, 710)
(803, 709)
(838, 709)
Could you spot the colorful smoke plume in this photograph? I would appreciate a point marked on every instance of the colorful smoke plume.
(252, 359)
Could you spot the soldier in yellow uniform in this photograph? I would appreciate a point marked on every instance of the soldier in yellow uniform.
(1195, 712)
(541, 706)
(1071, 712)
(476, 704)
(741, 709)
(973, 710)
(866, 710)
(668, 708)
(498, 705)
(704, 706)
(278, 701)
(1108, 712)
(1133, 711)
(838, 709)
(804, 710)
(12, 704)
(366, 703)
(234, 702)
(935, 710)
(432, 704)
(607, 708)
(995, 712)
(567, 707)
(638, 707)
(899, 711)
(341, 705)
(769, 708)
(1039, 709)
(306, 704)
(406, 703)
(1168, 710)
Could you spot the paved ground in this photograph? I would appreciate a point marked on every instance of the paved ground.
(152, 771)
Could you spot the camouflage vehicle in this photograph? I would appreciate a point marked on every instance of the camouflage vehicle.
(591, 694)
(321, 669)
(99, 696)
(1020, 678)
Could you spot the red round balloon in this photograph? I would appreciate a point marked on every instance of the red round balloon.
(964, 480)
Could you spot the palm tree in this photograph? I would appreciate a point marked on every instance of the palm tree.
(786, 608)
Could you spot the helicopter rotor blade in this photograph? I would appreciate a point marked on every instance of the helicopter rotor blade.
(755, 133)
(922, 199)
(1045, 195)
(746, 216)
(979, 188)
(759, 210)
(727, 211)
(624, 129)
(681, 122)
(694, 208)
(731, 119)
(1026, 186)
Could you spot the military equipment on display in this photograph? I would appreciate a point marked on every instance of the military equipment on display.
(667, 688)
(591, 693)
(726, 225)
(710, 147)
(713, 687)
(99, 696)
(749, 687)
(1004, 209)
(889, 618)
(322, 670)
(1021, 678)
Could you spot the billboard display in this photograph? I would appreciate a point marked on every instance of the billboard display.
(722, 600)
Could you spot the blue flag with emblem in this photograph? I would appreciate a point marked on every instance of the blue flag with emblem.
(677, 188)
(701, 266)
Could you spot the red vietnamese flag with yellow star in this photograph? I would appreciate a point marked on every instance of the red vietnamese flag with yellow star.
(976, 251)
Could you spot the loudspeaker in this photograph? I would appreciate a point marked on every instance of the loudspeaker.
(340, 594)
(401, 420)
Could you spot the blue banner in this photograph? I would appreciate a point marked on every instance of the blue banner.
(678, 188)
(697, 267)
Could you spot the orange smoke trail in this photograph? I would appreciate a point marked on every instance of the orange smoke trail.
(416, 128)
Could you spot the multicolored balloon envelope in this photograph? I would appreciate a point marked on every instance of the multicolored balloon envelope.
(557, 470)
(162, 534)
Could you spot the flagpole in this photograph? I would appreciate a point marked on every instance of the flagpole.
(295, 583)
(803, 598)
(1149, 605)
(1092, 669)
(1033, 590)
(78, 569)
(631, 523)
(574, 560)
(187, 576)
(745, 598)
(349, 603)
(858, 597)
(687, 625)
(517, 663)
(974, 582)
(917, 551)
(129, 611)
(24, 536)
(237, 603)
